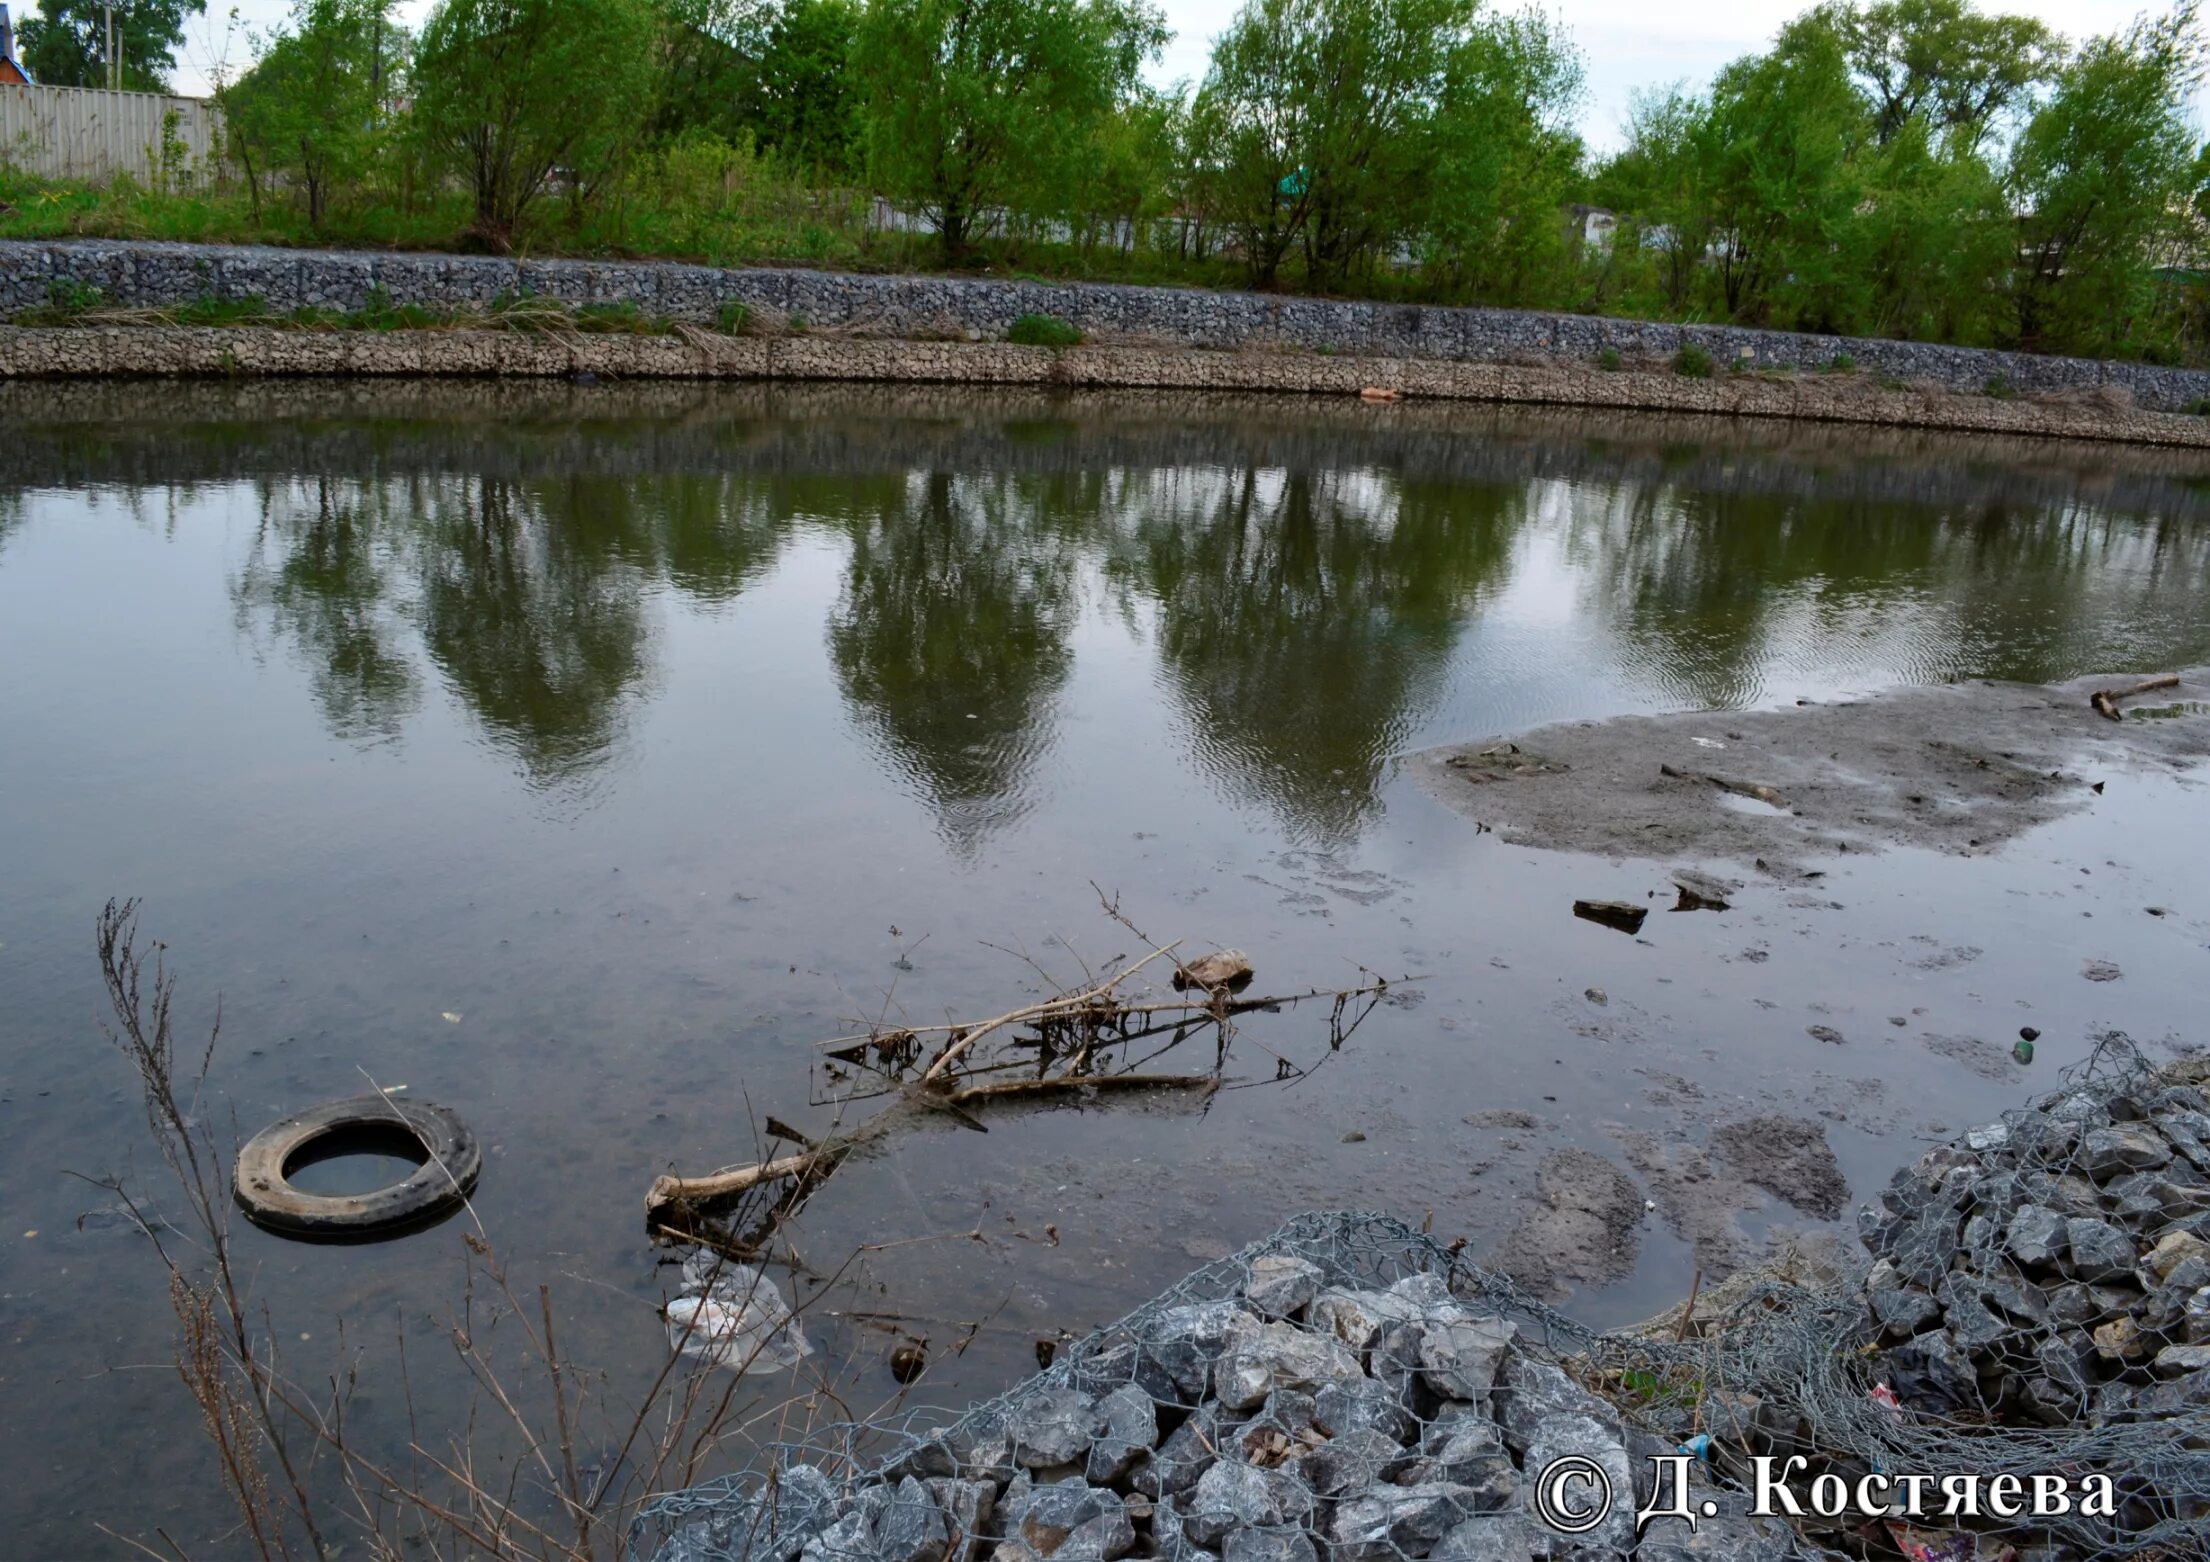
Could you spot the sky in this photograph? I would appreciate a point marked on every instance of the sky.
(1624, 44)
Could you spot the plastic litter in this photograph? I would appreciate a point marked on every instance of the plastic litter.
(732, 1315)
(1949, 1546)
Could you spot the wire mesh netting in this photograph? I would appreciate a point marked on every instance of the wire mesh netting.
(1350, 1389)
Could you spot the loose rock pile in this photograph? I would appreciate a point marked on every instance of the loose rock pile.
(1298, 1418)
(2054, 1267)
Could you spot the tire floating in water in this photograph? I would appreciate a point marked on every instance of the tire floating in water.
(448, 1156)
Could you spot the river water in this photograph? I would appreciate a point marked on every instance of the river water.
(577, 756)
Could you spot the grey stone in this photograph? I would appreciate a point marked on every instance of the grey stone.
(1131, 1430)
(2100, 1251)
(2178, 1360)
(849, 1539)
(2036, 1235)
(983, 1447)
(1279, 1355)
(1924, 1246)
(1055, 1426)
(1268, 1545)
(1459, 1360)
(1354, 1460)
(1399, 1521)
(1231, 1495)
(1903, 1310)
(2187, 1396)
(968, 1508)
(1346, 1407)
(1561, 1435)
(1530, 1392)
(2072, 1304)
(2174, 1251)
(912, 1528)
(2121, 1147)
(1184, 1340)
(1071, 1520)
(1474, 1458)
(1501, 1537)
(1281, 1284)
(1731, 1534)
(1187, 1453)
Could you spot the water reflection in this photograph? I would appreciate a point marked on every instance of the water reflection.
(1304, 592)
(951, 638)
(1306, 619)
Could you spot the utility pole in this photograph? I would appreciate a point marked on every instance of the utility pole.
(107, 46)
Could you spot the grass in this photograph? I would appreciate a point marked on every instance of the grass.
(1692, 363)
(2000, 389)
(1841, 363)
(1044, 331)
(71, 302)
(1608, 358)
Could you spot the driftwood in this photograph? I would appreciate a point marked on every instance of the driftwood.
(1623, 915)
(1751, 789)
(1079, 1042)
(2106, 701)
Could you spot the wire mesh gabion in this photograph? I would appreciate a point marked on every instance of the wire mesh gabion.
(1351, 1390)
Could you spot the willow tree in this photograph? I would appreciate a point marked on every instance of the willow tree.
(974, 105)
(1359, 131)
(514, 92)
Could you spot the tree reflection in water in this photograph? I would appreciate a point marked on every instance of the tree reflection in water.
(1305, 615)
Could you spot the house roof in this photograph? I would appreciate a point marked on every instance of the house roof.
(11, 69)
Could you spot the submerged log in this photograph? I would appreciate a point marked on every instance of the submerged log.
(1623, 915)
(2106, 701)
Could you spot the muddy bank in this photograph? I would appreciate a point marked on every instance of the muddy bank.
(1959, 769)
(152, 351)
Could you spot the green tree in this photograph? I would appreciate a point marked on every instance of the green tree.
(1778, 178)
(67, 43)
(1942, 61)
(804, 101)
(1932, 243)
(315, 106)
(1352, 129)
(2104, 174)
(1657, 181)
(512, 92)
(1501, 159)
(974, 104)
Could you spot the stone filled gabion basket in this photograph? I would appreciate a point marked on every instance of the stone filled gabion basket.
(1347, 1389)
(1350, 1390)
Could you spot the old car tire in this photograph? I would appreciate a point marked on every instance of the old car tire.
(451, 1161)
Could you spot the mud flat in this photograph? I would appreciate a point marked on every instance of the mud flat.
(1961, 768)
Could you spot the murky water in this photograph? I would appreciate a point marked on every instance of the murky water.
(576, 756)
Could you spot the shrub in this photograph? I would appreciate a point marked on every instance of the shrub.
(734, 317)
(1693, 363)
(1608, 358)
(2000, 388)
(1043, 331)
(1841, 363)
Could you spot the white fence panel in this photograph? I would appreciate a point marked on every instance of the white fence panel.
(87, 133)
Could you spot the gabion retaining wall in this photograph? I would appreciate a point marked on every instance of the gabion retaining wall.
(152, 275)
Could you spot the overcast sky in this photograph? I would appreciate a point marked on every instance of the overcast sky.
(1625, 44)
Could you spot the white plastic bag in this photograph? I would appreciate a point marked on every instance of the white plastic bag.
(732, 1315)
